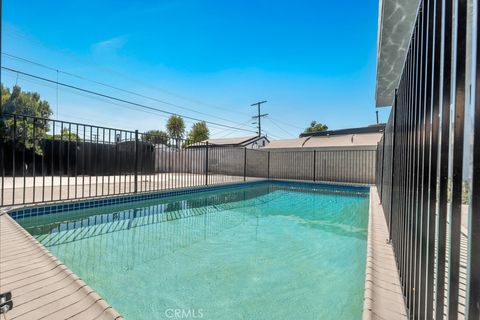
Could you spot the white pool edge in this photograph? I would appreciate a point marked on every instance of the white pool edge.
(383, 298)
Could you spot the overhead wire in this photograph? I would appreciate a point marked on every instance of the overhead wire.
(49, 85)
(53, 87)
(38, 44)
(268, 134)
(116, 73)
(279, 127)
(65, 85)
(126, 90)
(142, 95)
(230, 131)
(287, 124)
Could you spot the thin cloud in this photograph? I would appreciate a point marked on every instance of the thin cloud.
(109, 45)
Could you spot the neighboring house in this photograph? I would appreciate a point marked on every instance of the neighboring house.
(344, 138)
(252, 142)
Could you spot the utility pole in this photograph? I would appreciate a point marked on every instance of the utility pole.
(377, 116)
(259, 116)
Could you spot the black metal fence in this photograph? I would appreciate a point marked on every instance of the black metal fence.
(46, 160)
(429, 189)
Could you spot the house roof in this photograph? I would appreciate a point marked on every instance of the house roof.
(230, 142)
(341, 140)
(287, 143)
(396, 19)
(375, 128)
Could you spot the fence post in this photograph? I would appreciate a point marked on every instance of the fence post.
(245, 165)
(206, 163)
(14, 151)
(382, 163)
(393, 164)
(314, 165)
(136, 162)
(268, 165)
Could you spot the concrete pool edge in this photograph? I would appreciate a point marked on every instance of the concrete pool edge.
(383, 298)
(41, 285)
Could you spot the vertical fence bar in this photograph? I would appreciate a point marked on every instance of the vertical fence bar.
(76, 161)
(443, 161)
(436, 81)
(2, 166)
(24, 144)
(431, 178)
(392, 176)
(14, 151)
(268, 164)
(136, 163)
(473, 275)
(84, 159)
(206, 163)
(245, 164)
(457, 158)
(34, 152)
(68, 159)
(314, 165)
(104, 155)
(60, 160)
(381, 163)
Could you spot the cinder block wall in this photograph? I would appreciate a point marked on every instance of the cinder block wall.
(353, 164)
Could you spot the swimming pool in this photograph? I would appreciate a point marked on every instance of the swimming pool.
(269, 250)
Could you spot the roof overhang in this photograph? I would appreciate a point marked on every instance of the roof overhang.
(396, 19)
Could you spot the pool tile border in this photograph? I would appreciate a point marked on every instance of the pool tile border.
(71, 205)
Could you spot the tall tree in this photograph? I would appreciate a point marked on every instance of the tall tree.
(316, 127)
(176, 128)
(156, 137)
(27, 131)
(199, 132)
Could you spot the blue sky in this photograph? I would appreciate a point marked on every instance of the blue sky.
(312, 60)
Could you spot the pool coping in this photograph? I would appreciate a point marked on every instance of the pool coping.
(36, 264)
(383, 298)
(21, 253)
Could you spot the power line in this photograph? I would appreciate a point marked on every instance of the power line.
(118, 99)
(287, 124)
(273, 136)
(142, 95)
(276, 125)
(128, 91)
(230, 131)
(79, 93)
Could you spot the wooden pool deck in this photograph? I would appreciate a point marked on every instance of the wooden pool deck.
(41, 286)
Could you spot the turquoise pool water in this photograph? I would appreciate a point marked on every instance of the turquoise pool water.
(265, 251)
